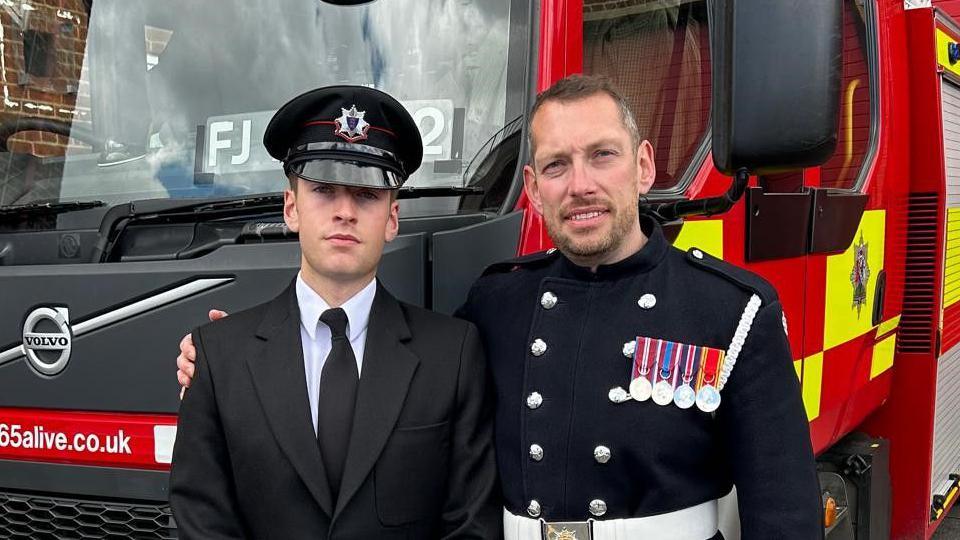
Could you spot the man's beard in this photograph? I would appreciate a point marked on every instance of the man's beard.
(623, 221)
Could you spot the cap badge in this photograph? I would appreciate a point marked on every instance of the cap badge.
(351, 126)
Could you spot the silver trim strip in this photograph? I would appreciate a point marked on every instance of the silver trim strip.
(11, 354)
(130, 310)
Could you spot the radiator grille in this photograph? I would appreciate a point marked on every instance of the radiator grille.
(29, 517)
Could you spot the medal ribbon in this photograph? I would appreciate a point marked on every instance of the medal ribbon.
(678, 357)
(691, 363)
(668, 356)
(656, 361)
(711, 360)
(638, 357)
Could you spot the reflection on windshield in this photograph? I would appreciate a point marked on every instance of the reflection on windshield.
(170, 99)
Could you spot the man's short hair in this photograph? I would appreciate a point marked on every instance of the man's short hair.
(577, 87)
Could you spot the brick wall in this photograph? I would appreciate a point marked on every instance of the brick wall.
(42, 72)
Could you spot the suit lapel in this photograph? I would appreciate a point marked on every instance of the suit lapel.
(278, 376)
(388, 368)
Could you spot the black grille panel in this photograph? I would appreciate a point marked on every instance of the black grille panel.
(918, 323)
(31, 517)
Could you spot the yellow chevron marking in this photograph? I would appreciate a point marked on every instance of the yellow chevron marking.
(812, 382)
(951, 267)
(943, 57)
(888, 325)
(843, 320)
(883, 354)
(706, 234)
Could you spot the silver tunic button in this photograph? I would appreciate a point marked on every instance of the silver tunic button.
(647, 301)
(601, 454)
(698, 254)
(618, 395)
(533, 508)
(551, 250)
(534, 400)
(548, 300)
(538, 347)
(536, 452)
(597, 507)
(629, 348)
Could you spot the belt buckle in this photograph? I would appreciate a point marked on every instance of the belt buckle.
(567, 530)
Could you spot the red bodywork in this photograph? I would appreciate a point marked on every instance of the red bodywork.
(899, 403)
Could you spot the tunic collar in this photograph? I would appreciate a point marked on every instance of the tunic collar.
(644, 260)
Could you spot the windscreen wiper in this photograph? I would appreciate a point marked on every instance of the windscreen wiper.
(17, 211)
(120, 217)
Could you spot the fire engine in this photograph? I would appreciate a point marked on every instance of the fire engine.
(135, 195)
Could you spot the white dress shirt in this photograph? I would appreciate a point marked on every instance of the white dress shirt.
(315, 335)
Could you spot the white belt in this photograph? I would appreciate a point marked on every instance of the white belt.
(695, 523)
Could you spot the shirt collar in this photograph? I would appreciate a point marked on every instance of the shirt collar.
(357, 308)
(648, 257)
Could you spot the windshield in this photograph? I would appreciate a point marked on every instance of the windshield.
(658, 54)
(121, 100)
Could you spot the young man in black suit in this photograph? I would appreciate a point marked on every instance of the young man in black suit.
(334, 410)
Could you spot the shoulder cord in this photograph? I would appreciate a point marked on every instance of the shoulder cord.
(739, 337)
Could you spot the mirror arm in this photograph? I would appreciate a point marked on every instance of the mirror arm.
(666, 212)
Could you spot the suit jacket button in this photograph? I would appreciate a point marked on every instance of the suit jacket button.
(598, 507)
(533, 508)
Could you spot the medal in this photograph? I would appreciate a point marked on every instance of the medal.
(663, 393)
(708, 397)
(640, 387)
(685, 396)
(663, 390)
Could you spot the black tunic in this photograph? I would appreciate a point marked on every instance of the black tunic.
(662, 458)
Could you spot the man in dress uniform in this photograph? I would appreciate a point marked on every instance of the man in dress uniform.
(636, 383)
(334, 410)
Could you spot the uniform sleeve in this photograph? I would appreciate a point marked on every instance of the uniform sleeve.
(201, 480)
(473, 506)
(466, 310)
(767, 437)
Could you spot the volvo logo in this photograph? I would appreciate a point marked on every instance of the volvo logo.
(47, 339)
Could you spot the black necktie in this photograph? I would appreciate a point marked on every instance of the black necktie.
(338, 395)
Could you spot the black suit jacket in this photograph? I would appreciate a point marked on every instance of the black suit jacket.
(246, 463)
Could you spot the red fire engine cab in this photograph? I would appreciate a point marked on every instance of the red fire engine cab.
(863, 249)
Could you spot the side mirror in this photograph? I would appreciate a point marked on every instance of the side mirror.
(776, 83)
